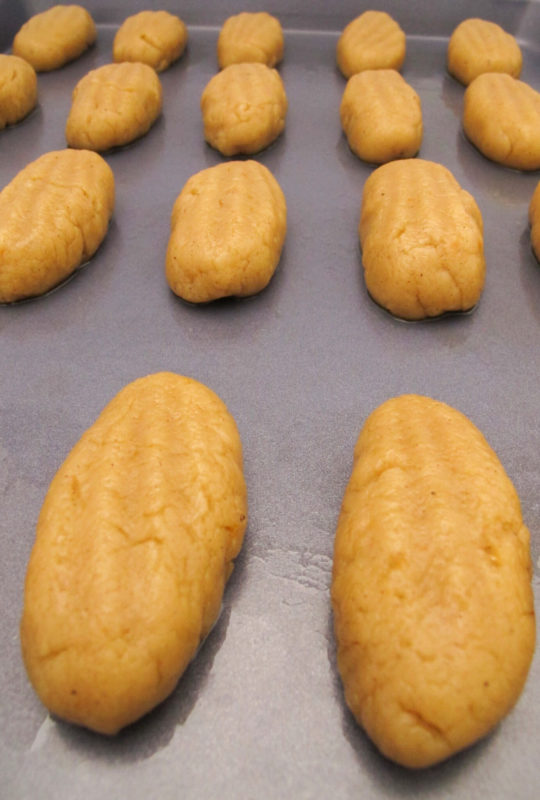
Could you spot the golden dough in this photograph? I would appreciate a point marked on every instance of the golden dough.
(113, 105)
(156, 38)
(134, 544)
(54, 37)
(243, 108)
(534, 220)
(53, 216)
(431, 590)
(18, 89)
(374, 40)
(228, 226)
(477, 46)
(253, 37)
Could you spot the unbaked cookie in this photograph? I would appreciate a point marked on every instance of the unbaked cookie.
(18, 89)
(156, 38)
(534, 220)
(253, 37)
(54, 37)
(477, 46)
(374, 40)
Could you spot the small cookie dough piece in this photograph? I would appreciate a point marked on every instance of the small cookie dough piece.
(228, 226)
(501, 117)
(374, 40)
(254, 37)
(134, 544)
(54, 37)
(243, 109)
(381, 116)
(534, 220)
(477, 46)
(156, 38)
(53, 216)
(422, 240)
(431, 588)
(113, 105)
(18, 89)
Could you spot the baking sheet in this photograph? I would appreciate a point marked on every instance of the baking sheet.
(260, 712)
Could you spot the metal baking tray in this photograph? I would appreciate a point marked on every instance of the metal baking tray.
(260, 712)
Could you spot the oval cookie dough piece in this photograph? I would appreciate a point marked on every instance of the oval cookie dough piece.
(374, 40)
(243, 109)
(228, 226)
(113, 105)
(53, 216)
(134, 545)
(477, 46)
(501, 117)
(156, 38)
(534, 221)
(422, 240)
(254, 37)
(18, 89)
(431, 592)
(54, 37)
(381, 116)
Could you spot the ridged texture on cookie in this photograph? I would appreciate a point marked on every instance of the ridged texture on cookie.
(431, 591)
(422, 240)
(156, 38)
(18, 89)
(134, 545)
(253, 37)
(374, 40)
(477, 46)
(52, 38)
(53, 216)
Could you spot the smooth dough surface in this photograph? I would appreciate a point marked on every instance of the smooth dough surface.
(431, 590)
(134, 544)
(534, 220)
(228, 226)
(18, 89)
(477, 46)
(156, 38)
(501, 117)
(52, 38)
(53, 216)
(243, 109)
(113, 105)
(253, 37)
(422, 240)
(381, 116)
(374, 40)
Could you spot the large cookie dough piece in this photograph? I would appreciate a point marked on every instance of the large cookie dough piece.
(18, 89)
(501, 117)
(477, 46)
(431, 590)
(113, 105)
(228, 226)
(374, 40)
(53, 216)
(422, 241)
(156, 38)
(54, 37)
(254, 37)
(134, 544)
(243, 108)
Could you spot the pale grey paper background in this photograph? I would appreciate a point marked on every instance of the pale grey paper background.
(260, 713)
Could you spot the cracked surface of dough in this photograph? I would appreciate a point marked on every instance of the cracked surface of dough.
(422, 240)
(243, 109)
(18, 89)
(113, 105)
(228, 226)
(134, 544)
(156, 38)
(431, 592)
(52, 38)
(53, 216)
(374, 40)
(477, 46)
(253, 37)
(501, 117)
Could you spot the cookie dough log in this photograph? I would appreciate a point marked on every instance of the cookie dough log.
(243, 109)
(228, 227)
(54, 37)
(18, 89)
(477, 46)
(374, 40)
(422, 240)
(381, 116)
(501, 117)
(253, 37)
(134, 544)
(431, 589)
(53, 216)
(113, 105)
(156, 38)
